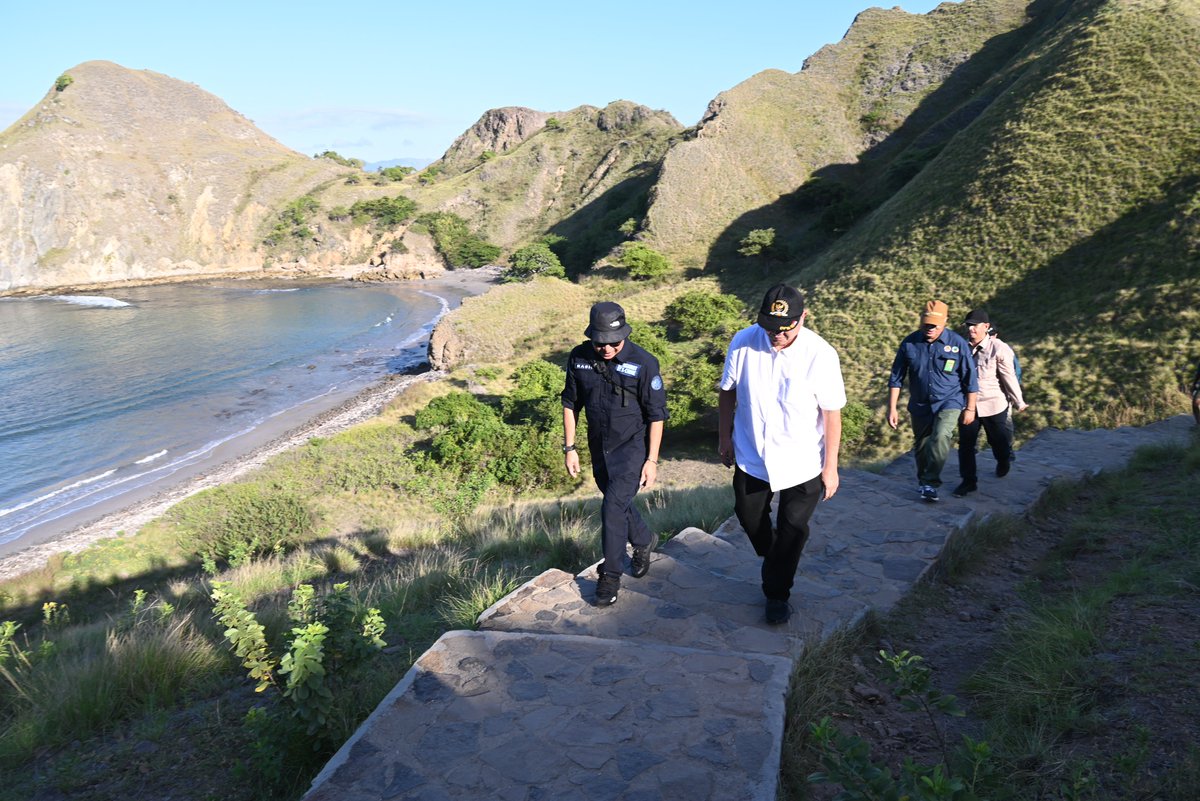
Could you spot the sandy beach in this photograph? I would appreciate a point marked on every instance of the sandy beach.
(320, 418)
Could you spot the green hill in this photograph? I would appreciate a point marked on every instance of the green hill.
(1038, 159)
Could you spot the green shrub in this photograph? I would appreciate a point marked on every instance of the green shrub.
(705, 314)
(643, 262)
(531, 260)
(385, 211)
(693, 391)
(396, 173)
(535, 399)
(63, 82)
(234, 523)
(455, 241)
(292, 222)
(855, 416)
(338, 213)
(757, 242)
(338, 158)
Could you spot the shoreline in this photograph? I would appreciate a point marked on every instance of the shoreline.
(239, 457)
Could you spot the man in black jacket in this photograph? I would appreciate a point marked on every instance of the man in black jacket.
(619, 386)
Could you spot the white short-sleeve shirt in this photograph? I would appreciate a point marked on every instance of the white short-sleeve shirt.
(778, 428)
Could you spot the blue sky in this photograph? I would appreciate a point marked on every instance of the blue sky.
(386, 80)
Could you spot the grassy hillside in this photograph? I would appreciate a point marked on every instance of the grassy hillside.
(765, 137)
(1068, 208)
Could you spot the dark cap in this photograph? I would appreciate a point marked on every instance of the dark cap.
(977, 316)
(782, 308)
(607, 324)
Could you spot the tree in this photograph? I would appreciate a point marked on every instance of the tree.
(338, 158)
(757, 241)
(531, 260)
(396, 173)
(643, 262)
(702, 314)
(386, 211)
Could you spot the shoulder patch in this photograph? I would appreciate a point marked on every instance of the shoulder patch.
(580, 364)
(629, 368)
(656, 383)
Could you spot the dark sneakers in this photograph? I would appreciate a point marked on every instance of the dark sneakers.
(640, 564)
(778, 611)
(607, 588)
(1002, 468)
(965, 488)
(929, 493)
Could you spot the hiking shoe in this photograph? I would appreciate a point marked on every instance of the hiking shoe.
(606, 588)
(965, 488)
(1002, 468)
(929, 493)
(640, 564)
(778, 611)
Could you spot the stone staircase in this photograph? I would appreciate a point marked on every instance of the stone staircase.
(678, 690)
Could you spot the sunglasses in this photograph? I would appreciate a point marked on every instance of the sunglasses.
(603, 345)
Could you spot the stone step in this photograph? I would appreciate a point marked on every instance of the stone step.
(498, 715)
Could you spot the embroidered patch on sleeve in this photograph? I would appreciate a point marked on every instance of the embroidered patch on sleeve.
(656, 383)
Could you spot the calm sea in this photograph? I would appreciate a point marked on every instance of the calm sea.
(102, 395)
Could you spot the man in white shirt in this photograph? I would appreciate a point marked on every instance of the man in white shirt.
(781, 424)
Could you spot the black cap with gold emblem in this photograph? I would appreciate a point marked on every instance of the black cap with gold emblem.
(781, 309)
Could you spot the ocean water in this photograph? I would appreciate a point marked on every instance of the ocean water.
(101, 395)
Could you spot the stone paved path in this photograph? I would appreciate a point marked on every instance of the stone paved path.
(677, 691)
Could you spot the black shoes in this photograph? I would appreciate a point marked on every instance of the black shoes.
(929, 493)
(1002, 468)
(640, 564)
(778, 611)
(963, 489)
(607, 588)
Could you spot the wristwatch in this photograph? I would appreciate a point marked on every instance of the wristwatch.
(568, 448)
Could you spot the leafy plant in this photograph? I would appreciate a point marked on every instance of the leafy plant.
(705, 314)
(757, 242)
(338, 158)
(63, 82)
(643, 262)
(385, 211)
(397, 173)
(532, 260)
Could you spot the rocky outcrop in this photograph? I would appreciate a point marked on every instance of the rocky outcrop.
(134, 175)
(497, 131)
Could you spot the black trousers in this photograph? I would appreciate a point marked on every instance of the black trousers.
(618, 477)
(779, 545)
(999, 428)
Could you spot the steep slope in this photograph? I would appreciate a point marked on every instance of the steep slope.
(1070, 208)
(129, 174)
(765, 137)
(518, 173)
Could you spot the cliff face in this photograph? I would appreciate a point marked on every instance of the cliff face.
(135, 175)
(514, 176)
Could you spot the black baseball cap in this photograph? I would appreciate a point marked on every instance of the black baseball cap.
(782, 308)
(977, 316)
(606, 325)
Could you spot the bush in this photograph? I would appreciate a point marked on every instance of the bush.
(338, 158)
(292, 222)
(653, 339)
(757, 242)
(693, 391)
(396, 173)
(531, 260)
(234, 523)
(455, 241)
(702, 314)
(385, 211)
(535, 400)
(643, 262)
(63, 82)
(855, 416)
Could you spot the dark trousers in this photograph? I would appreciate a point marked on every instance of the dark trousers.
(619, 519)
(778, 545)
(931, 437)
(999, 428)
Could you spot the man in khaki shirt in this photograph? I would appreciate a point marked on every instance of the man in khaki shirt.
(998, 390)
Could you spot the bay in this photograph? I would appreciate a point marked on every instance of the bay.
(104, 395)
